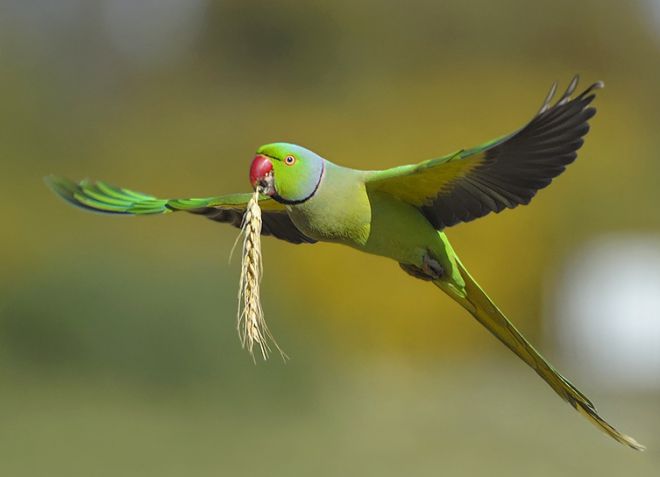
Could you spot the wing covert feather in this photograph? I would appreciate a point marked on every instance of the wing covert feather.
(502, 173)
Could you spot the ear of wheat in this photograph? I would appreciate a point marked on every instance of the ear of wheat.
(252, 327)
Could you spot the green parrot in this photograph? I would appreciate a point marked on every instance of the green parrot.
(399, 213)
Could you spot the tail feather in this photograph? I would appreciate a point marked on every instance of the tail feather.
(475, 300)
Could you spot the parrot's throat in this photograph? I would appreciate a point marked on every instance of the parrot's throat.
(284, 201)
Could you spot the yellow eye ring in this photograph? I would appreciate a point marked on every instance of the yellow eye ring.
(289, 160)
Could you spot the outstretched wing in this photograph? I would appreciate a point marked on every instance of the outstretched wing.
(499, 174)
(101, 197)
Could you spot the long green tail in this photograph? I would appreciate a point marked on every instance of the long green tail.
(486, 312)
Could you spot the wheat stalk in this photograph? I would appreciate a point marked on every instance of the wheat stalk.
(251, 324)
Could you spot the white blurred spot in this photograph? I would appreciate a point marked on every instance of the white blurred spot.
(653, 10)
(152, 31)
(606, 311)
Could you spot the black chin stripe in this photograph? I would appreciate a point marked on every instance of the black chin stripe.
(284, 201)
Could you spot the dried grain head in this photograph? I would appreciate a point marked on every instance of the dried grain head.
(251, 324)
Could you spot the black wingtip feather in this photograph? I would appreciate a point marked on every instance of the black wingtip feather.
(514, 169)
(548, 98)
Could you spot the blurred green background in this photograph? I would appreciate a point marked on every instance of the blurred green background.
(118, 350)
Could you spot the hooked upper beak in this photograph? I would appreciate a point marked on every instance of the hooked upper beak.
(261, 174)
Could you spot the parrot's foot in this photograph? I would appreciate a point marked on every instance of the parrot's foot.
(430, 269)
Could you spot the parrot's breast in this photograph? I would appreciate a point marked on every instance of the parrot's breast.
(343, 211)
(339, 211)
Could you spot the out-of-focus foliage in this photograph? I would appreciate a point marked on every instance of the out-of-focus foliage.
(118, 353)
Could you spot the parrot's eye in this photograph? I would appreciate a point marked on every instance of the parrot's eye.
(289, 160)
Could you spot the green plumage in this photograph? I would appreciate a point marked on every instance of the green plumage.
(102, 197)
(399, 213)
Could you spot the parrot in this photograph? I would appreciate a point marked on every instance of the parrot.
(399, 213)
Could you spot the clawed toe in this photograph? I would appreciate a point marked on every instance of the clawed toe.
(430, 269)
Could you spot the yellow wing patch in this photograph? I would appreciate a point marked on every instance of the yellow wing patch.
(420, 184)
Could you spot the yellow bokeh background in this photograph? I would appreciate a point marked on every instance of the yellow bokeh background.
(118, 353)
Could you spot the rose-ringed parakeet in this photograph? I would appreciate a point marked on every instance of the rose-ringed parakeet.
(399, 213)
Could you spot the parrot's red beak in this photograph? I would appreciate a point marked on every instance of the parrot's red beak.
(261, 174)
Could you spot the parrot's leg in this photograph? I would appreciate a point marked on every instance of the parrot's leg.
(432, 268)
(414, 271)
(429, 271)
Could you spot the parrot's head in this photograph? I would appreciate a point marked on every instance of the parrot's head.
(288, 173)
